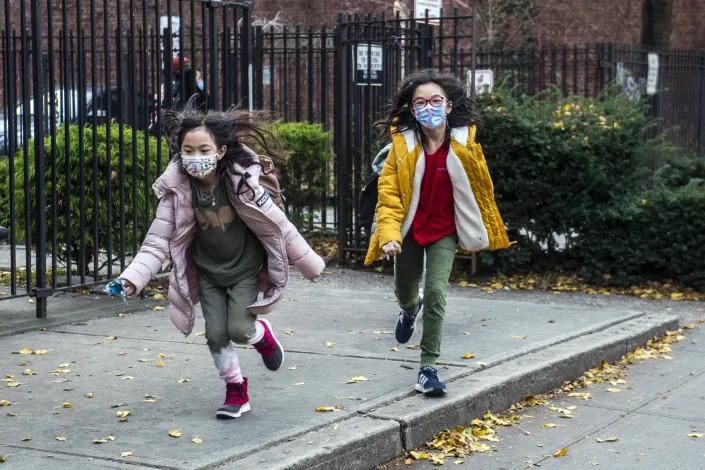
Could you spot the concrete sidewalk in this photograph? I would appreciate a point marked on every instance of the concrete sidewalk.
(519, 347)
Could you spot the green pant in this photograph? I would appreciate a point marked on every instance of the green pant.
(226, 314)
(408, 269)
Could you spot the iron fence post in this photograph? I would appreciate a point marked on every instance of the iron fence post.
(341, 111)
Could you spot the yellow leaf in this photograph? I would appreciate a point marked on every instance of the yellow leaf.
(149, 400)
(26, 351)
(111, 338)
(99, 441)
(561, 452)
(127, 377)
(677, 296)
(329, 344)
(182, 380)
(458, 462)
(482, 364)
(413, 346)
(88, 395)
(142, 360)
(201, 333)
(496, 285)
(65, 364)
(160, 364)
(328, 408)
(613, 390)
(125, 454)
(3, 458)
(60, 438)
(468, 356)
(289, 332)
(520, 337)
(25, 439)
(161, 355)
(548, 425)
(67, 405)
(158, 296)
(111, 437)
(357, 379)
(158, 308)
(292, 368)
(197, 440)
(175, 433)
(690, 326)
(5, 403)
(695, 434)
(122, 414)
(419, 455)
(297, 384)
(395, 349)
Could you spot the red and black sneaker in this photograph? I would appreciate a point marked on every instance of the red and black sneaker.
(236, 401)
(270, 349)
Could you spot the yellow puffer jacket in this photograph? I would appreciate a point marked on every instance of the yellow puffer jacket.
(478, 223)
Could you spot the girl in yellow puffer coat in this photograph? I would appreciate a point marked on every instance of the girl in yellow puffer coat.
(435, 195)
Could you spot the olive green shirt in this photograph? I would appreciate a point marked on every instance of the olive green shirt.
(225, 250)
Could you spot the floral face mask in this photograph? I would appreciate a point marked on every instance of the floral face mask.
(199, 166)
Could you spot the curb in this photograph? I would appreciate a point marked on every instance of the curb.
(382, 434)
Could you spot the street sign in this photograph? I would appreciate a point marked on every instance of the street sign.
(433, 7)
(652, 75)
(484, 81)
(368, 59)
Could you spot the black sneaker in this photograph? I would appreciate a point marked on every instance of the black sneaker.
(406, 324)
(428, 383)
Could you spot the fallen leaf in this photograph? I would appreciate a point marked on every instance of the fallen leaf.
(482, 364)
(458, 462)
(695, 434)
(175, 433)
(28, 372)
(64, 365)
(161, 355)
(468, 356)
(413, 346)
(5, 403)
(289, 332)
(201, 333)
(182, 380)
(122, 413)
(25, 439)
(519, 337)
(26, 351)
(158, 296)
(149, 400)
(111, 437)
(690, 326)
(395, 349)
(111, 338)
(297, 384)
(292, 368)
(60, 438)
(613, 390)
(419, 455)
(142, 360)
(329, 344)
(67, 405)
(357, 379)
(160, 364)
(197, 440)
(548, 425)
(88, 395)
(328, 408)
(158, 308)
(127, 377)
(561, 452)
(125, 454)
(99, 441)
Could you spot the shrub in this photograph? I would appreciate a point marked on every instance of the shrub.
(304, 176)
(106, 228)
(556, 164)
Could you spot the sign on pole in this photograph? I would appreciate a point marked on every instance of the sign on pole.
(368, 66)
(433, 7)
(652, 75)
(484, 81)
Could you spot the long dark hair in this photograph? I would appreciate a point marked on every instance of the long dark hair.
(463, 111)
(232, 128)
(191, 90)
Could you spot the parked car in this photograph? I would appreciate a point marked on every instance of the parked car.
(121, 110)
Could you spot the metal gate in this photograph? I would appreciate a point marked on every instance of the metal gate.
(372, 56)
(79, 199)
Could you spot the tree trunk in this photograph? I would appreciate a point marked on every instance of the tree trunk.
(657, 23)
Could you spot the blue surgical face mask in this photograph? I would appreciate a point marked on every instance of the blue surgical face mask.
(431, 117)
(200, 84)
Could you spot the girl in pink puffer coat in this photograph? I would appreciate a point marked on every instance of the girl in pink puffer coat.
(227, 240)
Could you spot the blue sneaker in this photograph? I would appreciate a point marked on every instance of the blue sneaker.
(428, 383)
(406, 324)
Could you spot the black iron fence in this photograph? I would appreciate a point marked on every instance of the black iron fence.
(76, 193)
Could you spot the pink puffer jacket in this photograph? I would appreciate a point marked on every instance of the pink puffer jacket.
(173, 230)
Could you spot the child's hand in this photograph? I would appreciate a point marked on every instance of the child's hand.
(391, 248)
(130, 288)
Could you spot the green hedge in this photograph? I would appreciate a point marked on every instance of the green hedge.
(556, 163)
(305, 175)
(106, 228)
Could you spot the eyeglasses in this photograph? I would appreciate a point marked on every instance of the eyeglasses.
(419, 102)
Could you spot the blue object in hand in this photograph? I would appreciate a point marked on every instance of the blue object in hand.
(116, 287)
